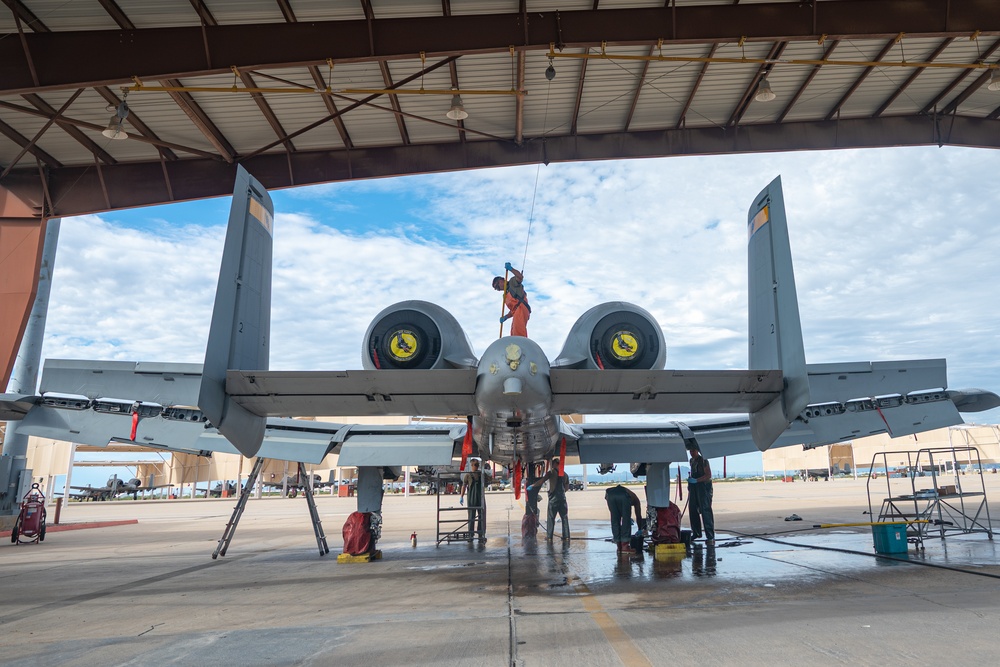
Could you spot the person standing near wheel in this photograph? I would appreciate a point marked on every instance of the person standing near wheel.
(557, 500)
(516, 301)
(700, 494)
(472, 491)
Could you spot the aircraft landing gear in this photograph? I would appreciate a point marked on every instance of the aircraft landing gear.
(364, 527)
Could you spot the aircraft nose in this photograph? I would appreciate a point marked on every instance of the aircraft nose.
(515, 369)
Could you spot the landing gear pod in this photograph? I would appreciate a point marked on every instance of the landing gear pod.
(615, 335)
(416, 335)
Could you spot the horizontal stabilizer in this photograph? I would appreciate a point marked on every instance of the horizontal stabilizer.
(661, 392)
(439, 392)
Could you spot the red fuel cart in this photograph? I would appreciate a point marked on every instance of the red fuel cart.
(30, 524)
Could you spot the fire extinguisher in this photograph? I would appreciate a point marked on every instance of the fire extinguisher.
(413, 539)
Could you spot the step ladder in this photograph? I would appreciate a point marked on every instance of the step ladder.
(456, 529)
(314, 513)
(241, 504)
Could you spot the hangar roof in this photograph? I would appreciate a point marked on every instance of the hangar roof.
(312, 91)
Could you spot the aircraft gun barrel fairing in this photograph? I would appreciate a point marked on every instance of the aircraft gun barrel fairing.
(417, 361)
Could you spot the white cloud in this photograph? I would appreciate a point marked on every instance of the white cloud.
(894, 249)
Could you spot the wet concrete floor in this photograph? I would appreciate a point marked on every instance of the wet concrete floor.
(149, 593)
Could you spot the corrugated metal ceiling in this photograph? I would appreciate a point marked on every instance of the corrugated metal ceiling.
(593, 108)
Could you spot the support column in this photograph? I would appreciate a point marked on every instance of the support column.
(24, 376)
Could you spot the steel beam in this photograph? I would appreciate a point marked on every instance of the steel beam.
(114, 56)
(23, 142)
(805, 84)
(77, 190)
(69, 128)
(857, 82)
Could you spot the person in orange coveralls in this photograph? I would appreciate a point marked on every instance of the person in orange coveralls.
(516, 300)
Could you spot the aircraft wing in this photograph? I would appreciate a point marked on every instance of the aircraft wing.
(15, 406)
(439, 392)
(717, 437)
(75, 406)
(603, 392)
(837, 416)
(81, 495)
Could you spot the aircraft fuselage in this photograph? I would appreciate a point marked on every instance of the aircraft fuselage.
(514, 400)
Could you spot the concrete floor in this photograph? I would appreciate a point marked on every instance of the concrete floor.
(149, 593)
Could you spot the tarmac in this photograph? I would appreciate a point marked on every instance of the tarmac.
(771, 591)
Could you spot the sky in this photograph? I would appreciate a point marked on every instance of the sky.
(895, 254)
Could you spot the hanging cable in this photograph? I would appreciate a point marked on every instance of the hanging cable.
(531, 210)
(538, 169)
(531, 215)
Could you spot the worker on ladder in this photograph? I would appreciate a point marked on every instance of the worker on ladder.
(515, 299)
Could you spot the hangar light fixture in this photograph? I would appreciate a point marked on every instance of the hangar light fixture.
(114, 129)
(550, 71)
(457, 110)
(994, 84)
(764, 92)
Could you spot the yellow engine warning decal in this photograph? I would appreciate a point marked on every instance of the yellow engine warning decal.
(403, 345)
(758, 221)
(625, 345)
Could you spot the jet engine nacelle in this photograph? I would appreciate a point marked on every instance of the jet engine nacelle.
(416, 335)
(614, 335)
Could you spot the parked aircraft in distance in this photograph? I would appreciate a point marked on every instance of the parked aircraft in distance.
(417, 361)
(114, 488)
(294, 483)
(451, 474)
(217, 490)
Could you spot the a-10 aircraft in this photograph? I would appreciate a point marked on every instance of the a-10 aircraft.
(114, 488)
(417, 361)
(293, 483)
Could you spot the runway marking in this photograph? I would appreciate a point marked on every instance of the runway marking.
(56, 528)
(630, 654)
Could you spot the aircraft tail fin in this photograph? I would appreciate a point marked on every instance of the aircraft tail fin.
(775, 331)
(239, 337)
